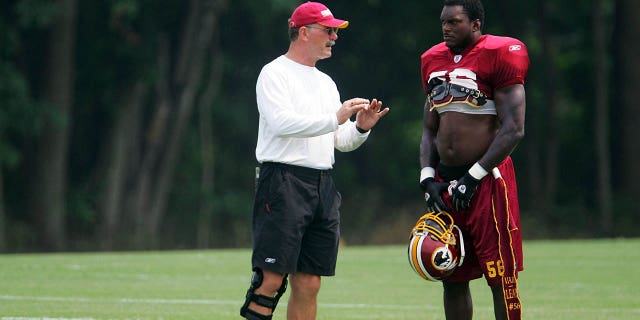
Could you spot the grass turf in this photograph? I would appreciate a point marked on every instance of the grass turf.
(577, 279)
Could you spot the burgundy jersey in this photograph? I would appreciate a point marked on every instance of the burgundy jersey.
(472, 76)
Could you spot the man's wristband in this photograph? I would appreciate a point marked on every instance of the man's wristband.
(477, 171)
(361, 130)
(427, 172)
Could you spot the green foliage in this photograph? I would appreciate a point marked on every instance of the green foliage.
(35, 13)
(20, 115)
(13, 93)
(82, 220)
(377, 56)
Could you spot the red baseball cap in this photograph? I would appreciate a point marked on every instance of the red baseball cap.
(314, 12)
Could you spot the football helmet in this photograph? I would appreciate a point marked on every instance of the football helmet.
(436, 247)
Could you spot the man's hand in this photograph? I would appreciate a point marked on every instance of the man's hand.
(368, 117)
(463, 191)
(433, 194)
(351, 107)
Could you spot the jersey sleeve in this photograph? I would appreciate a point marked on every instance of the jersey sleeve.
(512, 64)
(424, 77)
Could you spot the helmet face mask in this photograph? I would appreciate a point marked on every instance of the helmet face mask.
(436, 246)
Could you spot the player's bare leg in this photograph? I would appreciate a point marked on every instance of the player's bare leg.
(457, 301)
(303, 299)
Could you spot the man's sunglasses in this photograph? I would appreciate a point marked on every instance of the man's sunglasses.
(328, 30)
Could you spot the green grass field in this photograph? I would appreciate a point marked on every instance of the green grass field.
(590, 279)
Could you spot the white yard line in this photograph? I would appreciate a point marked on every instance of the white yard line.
(197, 302)
(43, 318)
(120, 300)
(230, 302)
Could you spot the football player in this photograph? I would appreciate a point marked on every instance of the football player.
(473, 119)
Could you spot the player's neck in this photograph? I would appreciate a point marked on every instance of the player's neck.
(469, 44)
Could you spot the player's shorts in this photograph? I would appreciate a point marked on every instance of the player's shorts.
(490, 226)
(296, 220)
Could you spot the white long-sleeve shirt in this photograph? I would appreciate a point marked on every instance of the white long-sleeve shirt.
(298, 123)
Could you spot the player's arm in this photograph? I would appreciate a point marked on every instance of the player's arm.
(428, 153)
(509, 98)
(429, 159)
(510, 105)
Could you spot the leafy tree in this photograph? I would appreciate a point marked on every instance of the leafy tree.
(131, 124)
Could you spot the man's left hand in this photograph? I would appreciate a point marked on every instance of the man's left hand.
(369, 116)
(463, 191)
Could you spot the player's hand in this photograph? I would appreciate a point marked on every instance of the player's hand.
(463, 191)
(433, 194)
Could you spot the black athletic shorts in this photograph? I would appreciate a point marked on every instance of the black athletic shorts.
(296, 220)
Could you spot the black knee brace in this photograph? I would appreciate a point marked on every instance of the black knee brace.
(259, 299)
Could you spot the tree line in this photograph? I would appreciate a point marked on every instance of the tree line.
(131, 124)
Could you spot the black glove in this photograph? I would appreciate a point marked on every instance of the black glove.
(433, 194)
(463, 191)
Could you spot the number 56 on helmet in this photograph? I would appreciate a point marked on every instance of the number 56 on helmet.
(436, 247)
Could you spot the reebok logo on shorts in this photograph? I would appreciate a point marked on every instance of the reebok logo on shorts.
(270, 260)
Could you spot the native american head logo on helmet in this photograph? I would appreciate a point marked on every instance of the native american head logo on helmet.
(436, 247)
